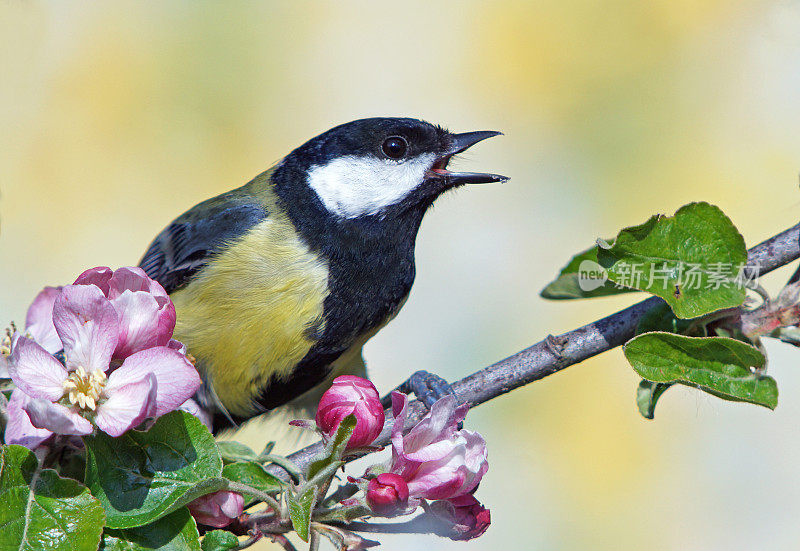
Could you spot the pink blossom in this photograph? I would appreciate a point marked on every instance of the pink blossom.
(145, 313)
(190, 406)
(19, 429)
(38, 326)
(218, 509)
(39, 320)
(387, 494)
(71, 399)
(437, 460)
(351, 394)
(461, 518)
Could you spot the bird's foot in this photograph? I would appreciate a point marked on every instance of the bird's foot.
(427, 387)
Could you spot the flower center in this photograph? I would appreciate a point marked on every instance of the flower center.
(84, 388)
(5, 342)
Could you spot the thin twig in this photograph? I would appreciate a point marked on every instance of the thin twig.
(252, 540)
(541, 360)
(283, 541)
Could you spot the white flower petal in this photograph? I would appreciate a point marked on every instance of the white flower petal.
(4, 367)
(129, 279)
(39, 320)
(230, 503)
(35, 371)
(98, 276)
(439, 479)
(432, 452)
(19, 429)
(57, 418)
(476, 456)
(126, 406)
(87, 324)
(177, 345)
(138, 314)
(399, 407)
(440, 422)
(178, 380)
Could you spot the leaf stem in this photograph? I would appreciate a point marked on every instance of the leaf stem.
(284, 463)
(263, 496)
(313, 543)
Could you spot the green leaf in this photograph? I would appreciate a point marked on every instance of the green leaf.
(647, 394)
(691, 260)
(142, 476)
(661, 318)
(582, 277)
(334, 450)
(174, 532)
(284, 463)
(323, 467)
(219, 540)
(345, 514)
(41, 510)
(254, 475)
(724, 367)
(231, 452)
(301, 504)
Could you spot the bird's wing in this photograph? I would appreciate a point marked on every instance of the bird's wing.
(187, 244)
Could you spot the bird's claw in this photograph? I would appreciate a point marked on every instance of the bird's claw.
(427, 387)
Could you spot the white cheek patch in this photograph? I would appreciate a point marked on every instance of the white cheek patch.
(354, 186)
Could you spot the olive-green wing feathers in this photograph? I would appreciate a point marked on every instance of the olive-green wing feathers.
(187, 244)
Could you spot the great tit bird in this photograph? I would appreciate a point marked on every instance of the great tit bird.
(278, 284)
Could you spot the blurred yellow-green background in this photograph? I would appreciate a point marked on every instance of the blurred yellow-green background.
(116, 117)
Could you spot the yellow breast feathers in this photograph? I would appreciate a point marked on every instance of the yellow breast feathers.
(247, 314)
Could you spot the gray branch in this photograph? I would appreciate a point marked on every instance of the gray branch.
(556, 353)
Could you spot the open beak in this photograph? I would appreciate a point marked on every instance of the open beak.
(458, 144)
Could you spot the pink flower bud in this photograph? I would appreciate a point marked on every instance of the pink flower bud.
(387, 494)
(218, 509)
(351, 394)
(461, 518)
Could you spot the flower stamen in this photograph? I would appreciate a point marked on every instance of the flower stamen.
(84, 388)
(5, 342)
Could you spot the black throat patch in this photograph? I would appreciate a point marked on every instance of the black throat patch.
(371, 271)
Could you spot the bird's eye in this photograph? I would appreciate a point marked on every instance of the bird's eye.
(394, 147)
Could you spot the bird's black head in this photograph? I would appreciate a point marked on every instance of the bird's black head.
(383, 167)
